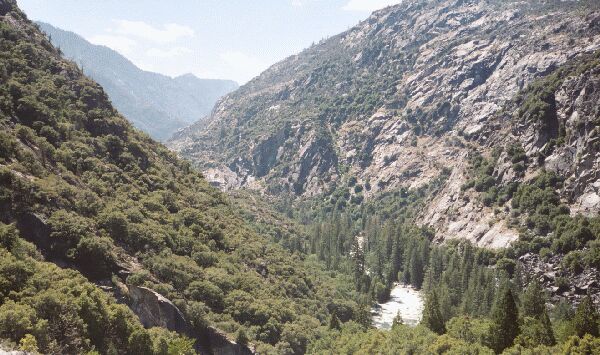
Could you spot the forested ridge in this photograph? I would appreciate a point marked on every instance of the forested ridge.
(92, 209)
(82, 189)
(451, 145)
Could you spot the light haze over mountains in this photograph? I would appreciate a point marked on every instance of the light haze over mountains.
(155, 103)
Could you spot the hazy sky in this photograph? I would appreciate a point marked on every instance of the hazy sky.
(228, 39)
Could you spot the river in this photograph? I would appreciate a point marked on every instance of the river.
(404, 299)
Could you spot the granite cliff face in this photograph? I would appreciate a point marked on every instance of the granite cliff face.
(410, 94)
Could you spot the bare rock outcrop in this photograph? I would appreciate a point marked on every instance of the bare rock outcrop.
(403, 97)
(154, 310)
(562, 283)
(13, 352)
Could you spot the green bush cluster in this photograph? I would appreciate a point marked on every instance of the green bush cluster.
(482, 177)
(547, 223)
(476, 303)
(113, 199)
(57, 311)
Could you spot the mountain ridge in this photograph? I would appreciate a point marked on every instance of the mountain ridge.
(158, 104)
(395, 101)
(109, 243)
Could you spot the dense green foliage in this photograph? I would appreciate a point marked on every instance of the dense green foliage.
(547, 225)
(106, 193)
(484, 179)
(476, 298)
(505, 326)
(100, 191)
(52, 310)
(544, 221)
(586, 319)
(432, 317)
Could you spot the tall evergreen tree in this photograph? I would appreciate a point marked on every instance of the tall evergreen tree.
(505, 319)
(358, 257)
(548, 336)
(432, 317)
(533, 301)
(395, 260)
(586, 318)
(397, 320)
(533, 305)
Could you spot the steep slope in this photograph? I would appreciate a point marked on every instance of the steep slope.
(402, 98)
(82, 189)
(157, 104)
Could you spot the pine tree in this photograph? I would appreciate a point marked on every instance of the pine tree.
(533, 302)
(468, 259)
(534, 306)
(549, 338)
(432, 317)
(395, 261)
(505, 319)
(586, 318)
(397, 320)
(316, 238)
(358, 256)
(445, 303)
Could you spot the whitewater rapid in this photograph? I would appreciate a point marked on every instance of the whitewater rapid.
(404, 299)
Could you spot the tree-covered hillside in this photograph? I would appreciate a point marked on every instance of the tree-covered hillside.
(95, 195)
(111, 244)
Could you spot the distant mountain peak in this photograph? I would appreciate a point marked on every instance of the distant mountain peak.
(187, 76)
(154, 103)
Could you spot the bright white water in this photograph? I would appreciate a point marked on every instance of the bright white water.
(404, 299)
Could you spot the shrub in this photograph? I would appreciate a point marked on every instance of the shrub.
(206, 292)
(8, 145)
(140, 343)
(8, 236)
(573, 236)
(241, 337)
(506, 265)
(100, 250)
(29, 344)
(115, 223)
(16, 320)
(205, 258)
(67, 229)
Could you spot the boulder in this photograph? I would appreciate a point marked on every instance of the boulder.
(154, 310)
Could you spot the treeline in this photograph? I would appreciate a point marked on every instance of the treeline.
(477, 301)
(377, 254)
(496, 304)
(481, 298)
(107, 199)
(375, 242)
